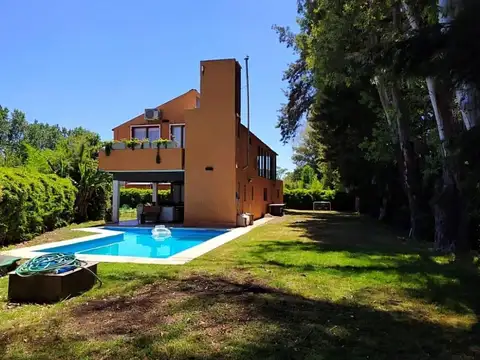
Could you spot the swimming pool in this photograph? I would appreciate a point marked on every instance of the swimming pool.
(138, 242)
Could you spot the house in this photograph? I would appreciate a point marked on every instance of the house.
(216, 167)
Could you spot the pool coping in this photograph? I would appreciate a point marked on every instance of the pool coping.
(99, 232)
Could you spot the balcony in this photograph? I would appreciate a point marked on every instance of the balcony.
(142, 160)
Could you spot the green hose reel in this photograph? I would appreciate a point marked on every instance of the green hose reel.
(54, 263)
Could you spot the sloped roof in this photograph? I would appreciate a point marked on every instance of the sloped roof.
(159, 106)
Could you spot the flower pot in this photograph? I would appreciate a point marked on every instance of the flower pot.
(118, 146)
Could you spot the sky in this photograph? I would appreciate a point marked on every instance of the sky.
(97, 64)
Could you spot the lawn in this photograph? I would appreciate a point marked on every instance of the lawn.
(306, 286)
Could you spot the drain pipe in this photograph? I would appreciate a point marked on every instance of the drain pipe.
(248, 113)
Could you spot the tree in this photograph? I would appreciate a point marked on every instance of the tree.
(281, 172)
(44, 136)
(346, 47)
(307, 152)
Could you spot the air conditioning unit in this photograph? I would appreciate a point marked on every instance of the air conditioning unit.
(153, 114)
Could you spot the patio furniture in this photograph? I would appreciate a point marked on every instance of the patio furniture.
(322, 205)
(139, 212)
(150, 213)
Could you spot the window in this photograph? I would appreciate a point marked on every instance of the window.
(265, 194)
(197, 103)
(153, 133)
(267, 175)
(178, 134)
(258, 161)
(262, 162)
(274, 167)
(146, 132)
(264, 166)
(139, 133)
(244, 192)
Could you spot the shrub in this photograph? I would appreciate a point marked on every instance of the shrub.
(131, 197)
(302, 199)
(32, 203)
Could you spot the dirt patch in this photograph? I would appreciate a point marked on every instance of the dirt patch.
(164, 303)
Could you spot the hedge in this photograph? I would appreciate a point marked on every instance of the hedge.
(131, 197)
(302, 199)
(32, 203)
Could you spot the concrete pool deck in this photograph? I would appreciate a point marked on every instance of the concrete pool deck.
(98, 233)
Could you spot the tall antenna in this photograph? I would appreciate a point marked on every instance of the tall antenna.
(248, 111)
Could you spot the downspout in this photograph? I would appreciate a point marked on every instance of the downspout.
(248, 114)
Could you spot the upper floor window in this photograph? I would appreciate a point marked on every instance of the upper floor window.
(266, 164)
(178, 134)
(151, 133)
(197, 104)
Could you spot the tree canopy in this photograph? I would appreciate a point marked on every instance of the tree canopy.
(388, 90)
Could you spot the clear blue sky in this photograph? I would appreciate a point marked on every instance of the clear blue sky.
(97, 63)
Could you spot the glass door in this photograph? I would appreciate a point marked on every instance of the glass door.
(178, 135)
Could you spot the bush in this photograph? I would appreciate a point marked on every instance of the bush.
(302, 199)
(32, 203)
(131, 197)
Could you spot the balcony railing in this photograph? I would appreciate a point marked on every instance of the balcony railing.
(142, 160)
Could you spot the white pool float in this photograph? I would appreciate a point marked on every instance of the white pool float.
(161, 232)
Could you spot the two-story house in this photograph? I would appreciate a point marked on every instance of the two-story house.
(216, 167)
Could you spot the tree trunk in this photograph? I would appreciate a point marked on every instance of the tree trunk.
(449, 204)
(467, 95)
(411, 175)
(395, 110)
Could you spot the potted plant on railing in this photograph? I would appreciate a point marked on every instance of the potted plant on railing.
(118, 145)
(108, 145)
(133, 143)
(162, 143)
(144, 144)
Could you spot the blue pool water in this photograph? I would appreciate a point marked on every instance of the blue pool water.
(139, 242)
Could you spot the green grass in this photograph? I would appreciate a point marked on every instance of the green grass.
(307, 286)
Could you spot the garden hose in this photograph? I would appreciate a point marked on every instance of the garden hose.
(54, 263)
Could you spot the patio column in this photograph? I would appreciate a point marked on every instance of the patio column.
(116, 201)
(155, 192)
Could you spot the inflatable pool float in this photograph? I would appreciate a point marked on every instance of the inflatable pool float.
(161, 232)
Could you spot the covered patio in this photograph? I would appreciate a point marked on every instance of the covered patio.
(159, 211)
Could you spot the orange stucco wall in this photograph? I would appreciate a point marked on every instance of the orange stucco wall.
(215, 154)
(141, 160)
(210, 142)
(173, 111)
(248, 180)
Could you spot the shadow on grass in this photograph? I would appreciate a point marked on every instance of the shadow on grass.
(447, 284)
(217, 318)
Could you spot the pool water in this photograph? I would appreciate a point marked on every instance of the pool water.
(139, 242)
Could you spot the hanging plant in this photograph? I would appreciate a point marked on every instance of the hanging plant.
(144, 143)
(108, 147)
